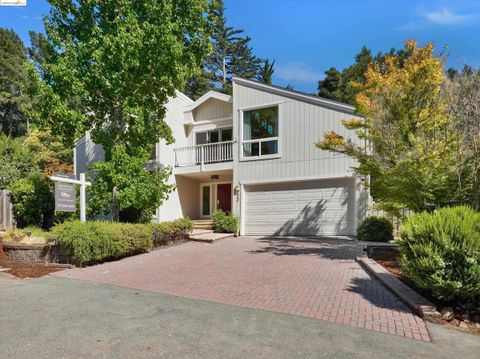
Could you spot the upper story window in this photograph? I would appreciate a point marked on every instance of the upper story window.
(220, 135)
(260, 132)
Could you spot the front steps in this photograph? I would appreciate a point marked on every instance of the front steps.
(203, 232)
(203, 224)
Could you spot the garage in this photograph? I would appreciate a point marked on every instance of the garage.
(305, 208)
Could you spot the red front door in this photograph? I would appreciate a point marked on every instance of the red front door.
(224, 197)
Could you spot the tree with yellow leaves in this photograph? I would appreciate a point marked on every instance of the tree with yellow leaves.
(410, 147)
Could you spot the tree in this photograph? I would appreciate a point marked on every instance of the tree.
(463, 96)
(114, 65)
(411, 148)
(329, 87)
(16, 160)
(13, 82)
(266, 72)
(231, 56)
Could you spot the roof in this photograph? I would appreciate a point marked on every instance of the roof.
(297, 95)
(184, 97)
(209, 95)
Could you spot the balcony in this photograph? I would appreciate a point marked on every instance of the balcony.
(201, 155)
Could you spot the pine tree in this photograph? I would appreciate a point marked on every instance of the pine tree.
(231, 56)
(329, 87)
(13, 81)
(266, 72)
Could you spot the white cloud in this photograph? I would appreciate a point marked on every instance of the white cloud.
(297, 72)
(447, 17)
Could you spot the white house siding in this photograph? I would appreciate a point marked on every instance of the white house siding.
(211, 109)
(172, 208)
(86, 152)
(301, 125)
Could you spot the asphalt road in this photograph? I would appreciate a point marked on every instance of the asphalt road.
(66, 318)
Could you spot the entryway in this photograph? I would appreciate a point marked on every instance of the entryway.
(215, 196)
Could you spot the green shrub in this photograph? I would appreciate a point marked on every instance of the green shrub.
(166, 232)
(33, 202)
(441, 252)
(94, 242)
(375, 229)
(225, 223)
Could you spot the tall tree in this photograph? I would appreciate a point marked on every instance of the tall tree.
(114, 66)
(231, 56)
(329, 87)
(266, 71)
(13, 83)
(411, 145)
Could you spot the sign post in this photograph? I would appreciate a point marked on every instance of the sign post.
(65, 194)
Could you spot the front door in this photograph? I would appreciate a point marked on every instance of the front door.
(224, 197)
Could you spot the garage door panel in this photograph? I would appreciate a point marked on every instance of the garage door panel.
(308, 208)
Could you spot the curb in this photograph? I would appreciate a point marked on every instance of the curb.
(423, 307)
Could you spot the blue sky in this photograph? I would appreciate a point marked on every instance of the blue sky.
(306, 37)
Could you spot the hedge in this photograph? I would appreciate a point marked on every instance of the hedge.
(441, 252)
(93, 242)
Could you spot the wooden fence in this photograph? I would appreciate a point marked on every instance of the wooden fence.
(7, 219)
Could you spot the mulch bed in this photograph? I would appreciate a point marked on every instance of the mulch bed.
(454, 314)
(25, 270)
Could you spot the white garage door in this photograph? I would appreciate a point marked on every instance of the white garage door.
(311, 208)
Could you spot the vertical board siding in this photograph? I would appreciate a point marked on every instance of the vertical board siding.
(302, 125)
(212, 109)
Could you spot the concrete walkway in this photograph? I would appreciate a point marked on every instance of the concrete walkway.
(55, 317)
(307, 277)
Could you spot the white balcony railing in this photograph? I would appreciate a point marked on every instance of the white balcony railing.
(204, 154)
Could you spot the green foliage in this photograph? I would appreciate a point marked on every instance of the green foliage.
(441, 252)
(405, 140)
(265, 72)
(167, 232)
(110, 67)
(33, 202)
(231, 56)
(16, 160)
(124, 184)
(375, 229)
(13, 83)
(94, 242)
(225, 222)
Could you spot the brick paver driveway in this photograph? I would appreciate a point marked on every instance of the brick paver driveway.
(308, 277)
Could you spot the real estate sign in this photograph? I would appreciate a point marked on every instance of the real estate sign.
(65, 197)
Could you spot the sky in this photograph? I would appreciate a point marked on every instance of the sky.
(306, 37)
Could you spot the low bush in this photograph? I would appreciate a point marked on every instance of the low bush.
(375, 229)
(441, 252)
(167, 232)
(225, 223)
(94, 242)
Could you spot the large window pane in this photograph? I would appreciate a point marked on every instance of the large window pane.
(227, 134)
(251, 149)
(213, 137)
(261, 123)
(201, 138)
(269, 148)
(206, 200)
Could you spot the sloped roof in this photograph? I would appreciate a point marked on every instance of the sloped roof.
(209, 95)
(297, 95)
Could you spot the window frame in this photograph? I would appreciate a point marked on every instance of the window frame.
(217, 129)
(242, 157)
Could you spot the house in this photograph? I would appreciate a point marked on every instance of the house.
(253, 154)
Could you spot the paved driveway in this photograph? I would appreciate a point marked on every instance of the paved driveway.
(311, 278)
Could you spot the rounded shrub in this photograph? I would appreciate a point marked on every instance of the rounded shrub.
(441, 252)
(225, 222)
(33, 201)
(375, 229)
